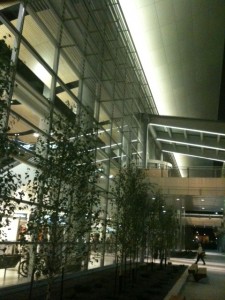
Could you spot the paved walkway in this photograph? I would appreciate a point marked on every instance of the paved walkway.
(210, 288)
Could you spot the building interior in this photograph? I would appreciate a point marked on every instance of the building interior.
(152, 76)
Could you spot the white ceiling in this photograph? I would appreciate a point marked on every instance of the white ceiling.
(180, 44)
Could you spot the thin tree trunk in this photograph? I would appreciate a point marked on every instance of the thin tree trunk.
(31, 284)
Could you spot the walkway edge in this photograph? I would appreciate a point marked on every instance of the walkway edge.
(178, 285)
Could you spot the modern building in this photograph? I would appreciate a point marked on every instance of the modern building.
(150, 74)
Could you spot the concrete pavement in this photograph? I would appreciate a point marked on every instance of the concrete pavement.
(210, 288)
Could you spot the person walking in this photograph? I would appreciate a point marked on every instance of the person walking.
(200, 254)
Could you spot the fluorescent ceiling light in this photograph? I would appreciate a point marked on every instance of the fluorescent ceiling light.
(101, 160)
(113, 145)
(197, 156)
(190, 144)
(187, 129)
(139, 152)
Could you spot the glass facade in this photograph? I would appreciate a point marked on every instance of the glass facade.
(74, 54)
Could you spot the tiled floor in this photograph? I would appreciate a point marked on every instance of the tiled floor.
(10, 277)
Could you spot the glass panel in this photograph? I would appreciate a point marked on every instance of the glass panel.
(42, 44)
(26, 112)
(23, 134)
(32, 71)
(65, 97)
(68, 75)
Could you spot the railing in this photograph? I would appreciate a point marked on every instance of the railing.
(190, 172)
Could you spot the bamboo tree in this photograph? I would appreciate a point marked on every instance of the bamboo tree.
(130, 193)
(9, 181)
(161, 228)
(6, 70)
(64, 193)
(153, 228)
(168, 231)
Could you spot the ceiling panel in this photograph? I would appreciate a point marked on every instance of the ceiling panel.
(189, 35)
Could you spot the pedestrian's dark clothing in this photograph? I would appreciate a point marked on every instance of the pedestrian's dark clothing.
(200, 255)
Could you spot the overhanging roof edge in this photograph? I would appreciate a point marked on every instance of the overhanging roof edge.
(213, 126)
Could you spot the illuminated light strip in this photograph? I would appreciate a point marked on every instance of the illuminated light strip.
(190, 144)
(106, 159)
(188, 129)
(113, 145)
(102, 131)
(100, 160)
(193, 155)
(109, 129)
(139, 152)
